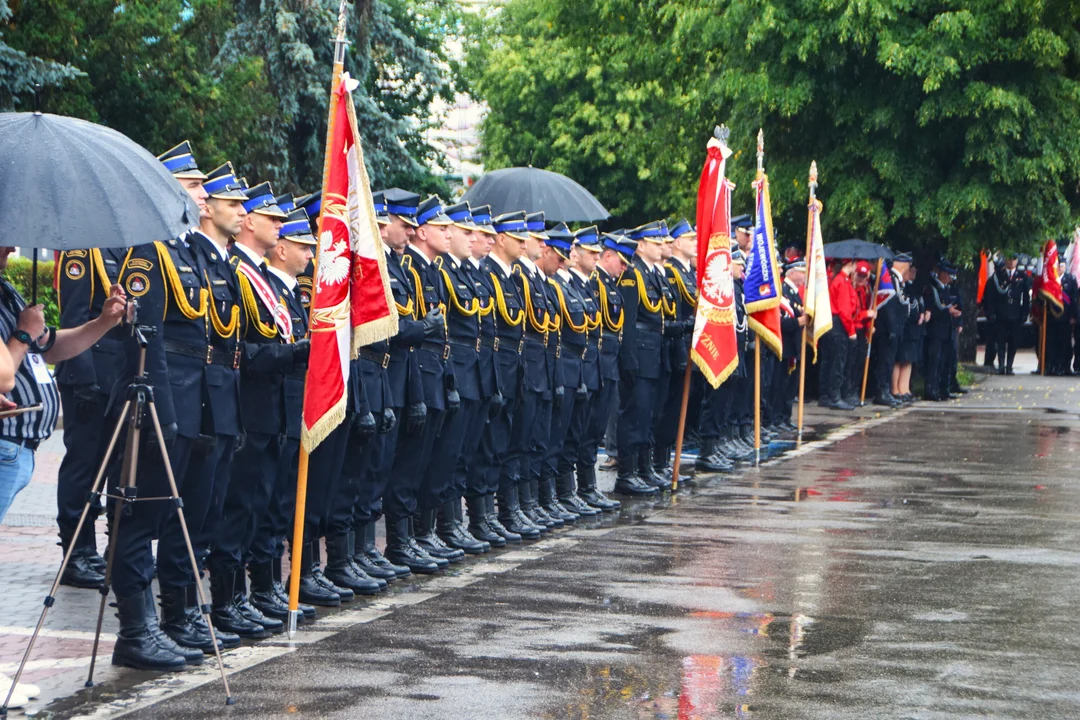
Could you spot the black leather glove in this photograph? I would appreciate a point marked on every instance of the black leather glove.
(557, 398)
(498, 402)
(582, 392)
(453, 402)
(626, 380)
(387, 421)
(240, 440)
(415, 417)
(168, 432)
(301, 352)
(363, 427)
(432, 322)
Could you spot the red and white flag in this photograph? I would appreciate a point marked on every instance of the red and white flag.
(1047, 285)
(351, 302)
(714, 348)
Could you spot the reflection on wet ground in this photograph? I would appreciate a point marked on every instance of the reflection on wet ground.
(922, 568)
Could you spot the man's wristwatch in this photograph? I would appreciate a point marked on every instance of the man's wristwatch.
(23, 337)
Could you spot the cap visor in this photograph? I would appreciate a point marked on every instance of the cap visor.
(409, 220)
(230, 195)
(304, 239)
(518, 236)
(271, 211)
(486, 229)
(189, 175)
(538, 235)
(467, 225)
(440, 220)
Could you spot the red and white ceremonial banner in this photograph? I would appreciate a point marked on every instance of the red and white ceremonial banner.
(714, 348)
(1047, 284)
(351, 303)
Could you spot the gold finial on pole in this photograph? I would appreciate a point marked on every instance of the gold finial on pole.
(339, 33)
(813, 179)
(761, 150)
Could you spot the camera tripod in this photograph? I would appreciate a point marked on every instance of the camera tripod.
(138, 407)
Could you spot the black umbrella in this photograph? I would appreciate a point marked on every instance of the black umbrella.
(69, 184)
(531, 189)
(856, 249)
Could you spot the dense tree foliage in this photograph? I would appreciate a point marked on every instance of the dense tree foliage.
(934, 124)
(244, 80)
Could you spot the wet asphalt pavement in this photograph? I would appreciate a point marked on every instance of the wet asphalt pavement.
(923, 567)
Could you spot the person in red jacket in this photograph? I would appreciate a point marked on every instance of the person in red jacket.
(857, 350)
(837, 344)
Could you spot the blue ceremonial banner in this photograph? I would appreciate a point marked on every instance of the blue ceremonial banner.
(886, 291)
(761, 288)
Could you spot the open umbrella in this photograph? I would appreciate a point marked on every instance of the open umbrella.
(533, 190)
(855, 249)
(71, 184)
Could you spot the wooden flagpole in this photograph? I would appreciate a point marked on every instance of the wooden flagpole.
(682, 426)
(295, 552)
(1042, 340)
(870, 331)
(757, 340)
(805, 341)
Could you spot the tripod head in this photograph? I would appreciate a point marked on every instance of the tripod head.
(141, 333)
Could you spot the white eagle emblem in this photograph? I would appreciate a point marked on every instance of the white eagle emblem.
(333, 260)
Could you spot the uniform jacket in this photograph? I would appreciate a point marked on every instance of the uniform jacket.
(85, 278)
(463, 320)
(641, 351)
(683, 284)
(485, 294)
(294, 380)
(573, 331)
(790, 330)
(433, 354)
(1012, 295)
(540, 320)
(938, 299)
(509, 321)
(590, 359)
(609, 300)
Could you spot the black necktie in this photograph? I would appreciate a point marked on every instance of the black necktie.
(299, 296)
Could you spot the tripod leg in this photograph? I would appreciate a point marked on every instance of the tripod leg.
(203, 605)
(51, 597)
(130, 465)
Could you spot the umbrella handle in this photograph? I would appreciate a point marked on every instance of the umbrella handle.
(33, 280)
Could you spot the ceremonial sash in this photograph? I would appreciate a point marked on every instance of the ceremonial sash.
(269, 299)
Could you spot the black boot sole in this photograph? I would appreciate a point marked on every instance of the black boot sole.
(153, 667)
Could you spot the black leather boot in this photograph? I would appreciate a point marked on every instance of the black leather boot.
(339, 569)
(568, 498)
(537, 488)
(493, 519)
(448, 530)
(87, 542)
(363, 561)
(372, 551)
(710, 459)
(429, 541)
(400, 552)
(192, 656)
(479, 527)
(588, 492)
(197, 620)
(225, 615)
(282, 594)
(645, 470)
(176, 625)
(311, 591)
(136, 645)
(528, 504)
(626, 479)
(354, 557)
(459, 520)
(249, 611)
(511, 517)
(344, 593)
(263, 596)
(547, 505)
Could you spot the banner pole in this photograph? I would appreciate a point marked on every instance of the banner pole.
(682, 428)
(805, 340)
(295, 552)
(1042, 341)
(870, 331)
(757, 401)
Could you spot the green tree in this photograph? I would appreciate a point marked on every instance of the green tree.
(19, 72)
(933, 126)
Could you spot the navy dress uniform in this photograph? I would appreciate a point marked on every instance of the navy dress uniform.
(496, 456)
(84, 280)
(888, 334)
(1013, 304)
(641, 364)
(791, 310)
(406, 495)
(192, 363)
(939, 330)
(267, 546)
(609, 301)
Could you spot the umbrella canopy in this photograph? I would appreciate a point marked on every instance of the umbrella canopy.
(534, 190)
(856, 249)
(70, 184)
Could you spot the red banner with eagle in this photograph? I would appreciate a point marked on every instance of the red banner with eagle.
(714, 348)
(351, 303)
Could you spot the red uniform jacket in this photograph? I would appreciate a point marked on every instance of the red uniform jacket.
(844, 302)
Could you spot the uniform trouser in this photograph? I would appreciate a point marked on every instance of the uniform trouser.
(636, 406)
(716, 409)
(533, 467)
(471, 468)
(663, 392)
(787, 403)
(611, 427)
(375, 475)
(834, 350)
(86, 432)
(410, 460)
(351, 479)
(206, 480)
(742, 407)
(1076, 347)
(1058, 345)
(602, 404)
(516, 462)
(324, 473)
(269, 540)
(885, 346)
(494, 451)
(576, 433)
(952, 357)
(561, 418)
(856, 363)
(990, 354)
(438, 486)
(768, 375)
(780, 393)
(253, 476)
(935, 372)
(1008, 340)
(141, 522)
(666, 425)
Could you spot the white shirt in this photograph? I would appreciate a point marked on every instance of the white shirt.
(498, 261)
(223, 252)
(684, 263)
(289, 280)
(250, 254)
(563, 273)
(581, 275)
(531, 266)
(475, 263)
